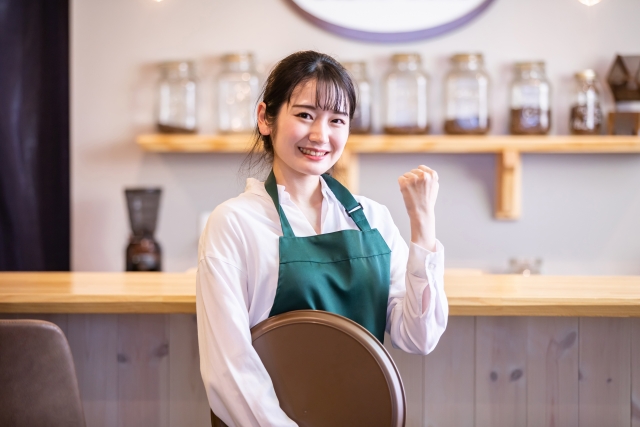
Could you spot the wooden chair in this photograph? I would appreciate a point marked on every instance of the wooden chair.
(38, 385)
(329, 371)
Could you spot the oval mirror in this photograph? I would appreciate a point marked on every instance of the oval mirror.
(390, 20)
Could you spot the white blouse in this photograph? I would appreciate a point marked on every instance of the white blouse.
(236, 286)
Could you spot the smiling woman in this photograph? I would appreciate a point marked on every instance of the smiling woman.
(300, 240)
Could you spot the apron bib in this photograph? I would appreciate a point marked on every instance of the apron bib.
(345, 272)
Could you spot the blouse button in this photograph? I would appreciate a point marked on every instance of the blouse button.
(432, 266)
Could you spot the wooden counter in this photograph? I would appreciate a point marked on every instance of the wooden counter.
(469, 294)
(522, 351)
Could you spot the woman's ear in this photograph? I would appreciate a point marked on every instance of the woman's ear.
(263, 126)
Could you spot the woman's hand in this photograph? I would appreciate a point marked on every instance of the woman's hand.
(419, 189)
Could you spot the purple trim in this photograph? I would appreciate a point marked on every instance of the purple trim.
(392, 37)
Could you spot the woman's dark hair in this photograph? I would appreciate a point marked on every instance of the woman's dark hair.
(334, 91)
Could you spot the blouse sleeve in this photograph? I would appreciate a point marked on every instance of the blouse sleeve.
(415, 271)
(239, 389)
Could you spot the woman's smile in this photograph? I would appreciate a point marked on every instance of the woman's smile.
(312, 153)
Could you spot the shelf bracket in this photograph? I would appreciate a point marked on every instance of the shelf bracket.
(509, 185)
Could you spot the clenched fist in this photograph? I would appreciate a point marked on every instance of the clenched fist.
(419, 189)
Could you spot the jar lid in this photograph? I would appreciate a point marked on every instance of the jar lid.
(359, 65)
(406, 57)
(587, 75)
(238, 57)
(529, 65)
(467, 57)
(178, 65)
(355, 66)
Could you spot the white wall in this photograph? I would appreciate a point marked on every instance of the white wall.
(581, 212)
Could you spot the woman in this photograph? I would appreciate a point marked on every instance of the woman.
(301, 241)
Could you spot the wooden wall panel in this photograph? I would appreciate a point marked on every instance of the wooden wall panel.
(552, 372)
(59, 319)
(635, 373)
(501, 358)
(143, 370)
(605, 372)
(93, 339)
(410, 367)
(449, 377)
(188, 399)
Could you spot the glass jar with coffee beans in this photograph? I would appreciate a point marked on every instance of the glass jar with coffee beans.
(530, 100)
(406, 86)
(176, 98)
(467, 96)
(586, 113)
(361, 122)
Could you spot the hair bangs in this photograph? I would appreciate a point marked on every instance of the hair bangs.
(331, 96)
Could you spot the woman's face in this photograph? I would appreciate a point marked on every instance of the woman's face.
(307, 140)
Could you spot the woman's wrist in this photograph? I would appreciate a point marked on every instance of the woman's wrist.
(423, 231)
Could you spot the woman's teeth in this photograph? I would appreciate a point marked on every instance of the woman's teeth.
(312, 152)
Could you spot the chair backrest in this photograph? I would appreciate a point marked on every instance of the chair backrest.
(329, 371)
(38, 385)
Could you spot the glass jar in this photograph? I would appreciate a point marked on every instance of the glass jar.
(586, 113)
(530, 100)
(406, 87)
(176, 98)
(238, 92)
(467, 96)
(361, 122)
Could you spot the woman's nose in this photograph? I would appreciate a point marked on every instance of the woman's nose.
(319, 133)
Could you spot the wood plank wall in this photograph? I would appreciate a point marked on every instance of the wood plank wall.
(143, 370)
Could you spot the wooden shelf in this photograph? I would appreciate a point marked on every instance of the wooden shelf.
(469, 294)
(508, 149)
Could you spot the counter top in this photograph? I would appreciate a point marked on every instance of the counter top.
(470, 294)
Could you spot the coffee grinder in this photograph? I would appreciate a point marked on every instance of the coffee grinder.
(143, 252)
(624, 82)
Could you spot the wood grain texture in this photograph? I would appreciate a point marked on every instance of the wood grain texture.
(635, 373)
(143, 370)
(501, 381)
(410, 143)
(605, 372)
(449, 377)
(188, 405)
(93, 339)
(552, 372)
(468, 295)
(410, 367)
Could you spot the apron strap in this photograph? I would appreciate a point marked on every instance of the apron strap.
(272, 188)
(351, 205)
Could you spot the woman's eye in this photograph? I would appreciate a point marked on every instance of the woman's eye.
(340, 121)
(304, 115)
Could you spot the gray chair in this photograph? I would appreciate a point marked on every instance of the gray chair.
(329, 371)
(38, 384)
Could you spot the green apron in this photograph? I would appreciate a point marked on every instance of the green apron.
(345, 272)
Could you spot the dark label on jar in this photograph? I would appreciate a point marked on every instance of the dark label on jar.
(467, 126)
(174, 129)
(530, 121)
(585, 120)
(406, 130)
